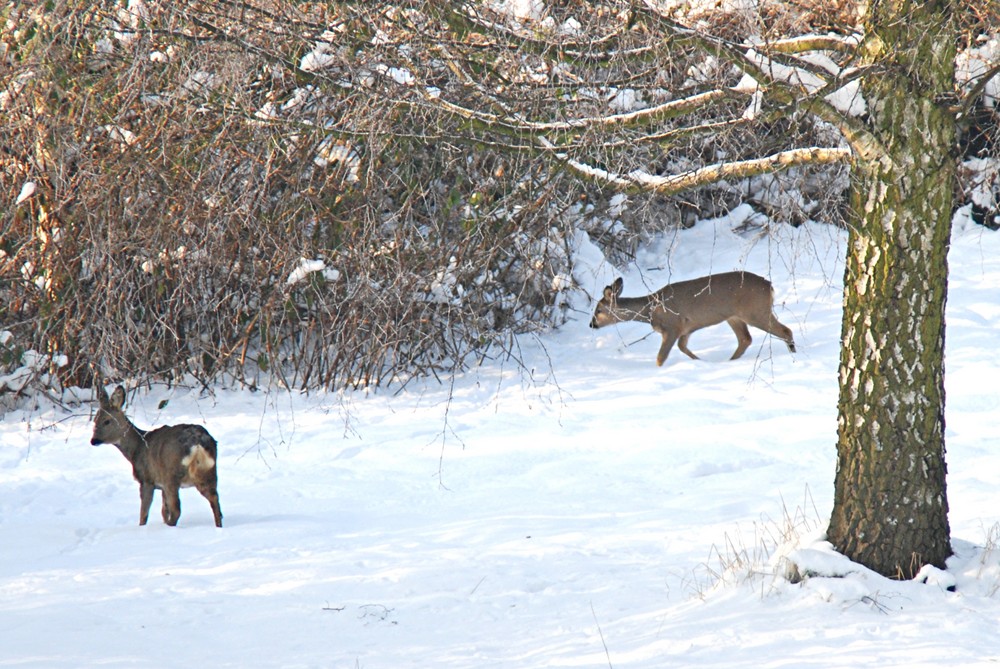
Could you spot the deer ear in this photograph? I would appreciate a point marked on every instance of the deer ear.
(617, 286)
(117, 398)
(102, 395)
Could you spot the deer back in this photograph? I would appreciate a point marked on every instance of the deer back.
(708, 300)
(184, 451)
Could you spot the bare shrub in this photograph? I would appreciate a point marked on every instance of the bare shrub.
(184, 167)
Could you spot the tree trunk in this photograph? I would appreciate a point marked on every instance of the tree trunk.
(890, 508)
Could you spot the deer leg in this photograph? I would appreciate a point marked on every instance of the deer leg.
(668, 342)
(743, 338)
(682, 344)
(171, 505)
(212, 495)
(145, 501)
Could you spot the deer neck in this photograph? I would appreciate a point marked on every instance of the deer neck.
(133, 442)
(634, 308)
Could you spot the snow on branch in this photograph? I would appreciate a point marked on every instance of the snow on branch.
(669, 109)
(639, 180)
(814, 74)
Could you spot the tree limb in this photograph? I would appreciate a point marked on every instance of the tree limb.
(970, 98)
(639, 181)
(796, 45)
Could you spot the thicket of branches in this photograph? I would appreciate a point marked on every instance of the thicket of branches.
(184, 174)
(334, 194)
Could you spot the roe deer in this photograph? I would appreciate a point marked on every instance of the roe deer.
(167, 458)
(678, 309)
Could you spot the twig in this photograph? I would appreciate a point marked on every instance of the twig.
(607, 653)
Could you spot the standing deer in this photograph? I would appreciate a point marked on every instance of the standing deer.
(167, 458)
(678, 309)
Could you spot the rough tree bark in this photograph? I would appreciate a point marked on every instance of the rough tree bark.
(890, 509)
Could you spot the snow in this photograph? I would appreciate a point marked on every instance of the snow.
(702, 7)
(531, 10)
(625, 100)
(27, 190)
(617, 204)
(14, 88)
(847, 99)
(975, 62)
(401, 76)
(573, 507)
(199, 83)
(307, 267)
(333, 151)
(319, 58)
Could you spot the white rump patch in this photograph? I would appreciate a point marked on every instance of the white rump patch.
(198, 458)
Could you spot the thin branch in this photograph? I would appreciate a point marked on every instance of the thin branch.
(670, 109)
(469, 14)
(668, 138)
(607, 653)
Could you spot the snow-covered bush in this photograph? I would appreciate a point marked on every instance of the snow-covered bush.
(314, 239)
(25, 372)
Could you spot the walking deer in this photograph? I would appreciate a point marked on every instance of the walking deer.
(678, 309)
(167, 458)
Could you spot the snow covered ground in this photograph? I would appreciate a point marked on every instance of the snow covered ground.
(575, 508)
